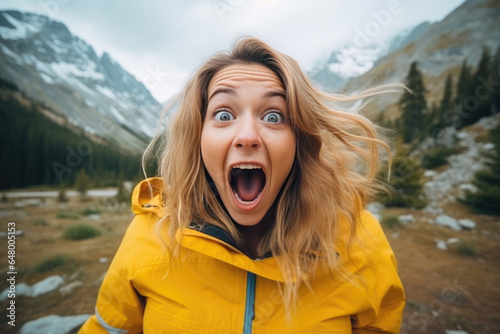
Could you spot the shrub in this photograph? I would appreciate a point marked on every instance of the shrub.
(81, 232)
(406, 183)
(51, 263)
(68, 215)
(40, 222)
(91, 211)
(391, 222)
(437, 157)
(466, 248)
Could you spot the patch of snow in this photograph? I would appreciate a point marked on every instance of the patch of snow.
(65, 70)
(353, 61)
(48, 79)
(22, 30)
(11, 54)
(106, 91)
(117, 115)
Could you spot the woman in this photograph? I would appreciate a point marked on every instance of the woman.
(256, 223)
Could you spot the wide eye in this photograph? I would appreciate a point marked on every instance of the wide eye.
(273, 117)
(223, 116)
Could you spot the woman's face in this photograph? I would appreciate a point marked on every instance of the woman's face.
(247, 144)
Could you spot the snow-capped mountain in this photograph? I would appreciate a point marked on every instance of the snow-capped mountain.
(345, 63)
(53, 66)
(439, 48)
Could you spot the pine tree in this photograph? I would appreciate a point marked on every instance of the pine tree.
(122, 195)
(413, 105)
(446, 110)
(495, 77)
(463, 88)
(406, 182)
(82, 183)
(487, 197)
(62, 196)
(477, 106)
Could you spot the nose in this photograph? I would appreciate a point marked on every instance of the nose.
(248, 134)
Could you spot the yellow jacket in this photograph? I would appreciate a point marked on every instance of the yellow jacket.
(217, 289)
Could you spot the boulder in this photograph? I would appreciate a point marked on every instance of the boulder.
(447, 221)
(22, 289)
(430, 173)
(452, 241)
(405, 219)
(68, 288)
(54, 324)
(375, 207)
(440, 244)
(467, 224)
(47, 285)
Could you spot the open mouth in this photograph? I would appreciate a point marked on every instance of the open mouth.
(247, 182)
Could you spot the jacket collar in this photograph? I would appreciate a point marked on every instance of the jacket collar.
(207, 239)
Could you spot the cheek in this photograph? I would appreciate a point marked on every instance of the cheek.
(212, 153)
(283, 155)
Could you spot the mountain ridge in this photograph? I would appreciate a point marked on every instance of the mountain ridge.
(62, 71)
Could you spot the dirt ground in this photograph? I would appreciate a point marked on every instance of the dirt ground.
(445, 289)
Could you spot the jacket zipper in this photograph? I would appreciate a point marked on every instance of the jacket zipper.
(249, 304)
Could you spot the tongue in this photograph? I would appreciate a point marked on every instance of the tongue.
(248, 183)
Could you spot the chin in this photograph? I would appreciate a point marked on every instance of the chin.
(244, 220)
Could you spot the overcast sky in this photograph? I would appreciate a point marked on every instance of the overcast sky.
(162, 42)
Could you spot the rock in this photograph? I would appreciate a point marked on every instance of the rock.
(467, 224)
(68, 288)
(454, 331)
(452, 241)
(441, 245)
(94, 216)
(47, 285)
(430, 173)
(395, 235)
(462, 135)
(54, 324)
(405, 219)
(468, 186)
(17, 233)
(375, 207)
(378, 216)
(19, 204)
(33, 202)
(447, 221)
(488, 146)
(22, 289)
(100, 279)
(103, 260)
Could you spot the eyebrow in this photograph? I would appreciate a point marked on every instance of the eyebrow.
(233, 92)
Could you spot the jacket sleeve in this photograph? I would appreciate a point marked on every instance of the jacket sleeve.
(119, 308)
(385, 297)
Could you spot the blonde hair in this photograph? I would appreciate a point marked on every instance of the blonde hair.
(333, 176)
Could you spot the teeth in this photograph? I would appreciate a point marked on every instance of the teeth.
(247, 166)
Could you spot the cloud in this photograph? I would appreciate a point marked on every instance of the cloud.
(176, 36)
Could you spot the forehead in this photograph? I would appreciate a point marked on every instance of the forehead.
(234, 76)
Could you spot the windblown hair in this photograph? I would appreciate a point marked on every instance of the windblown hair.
(333, 176)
